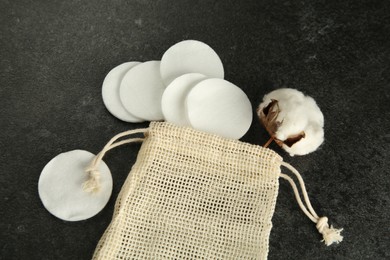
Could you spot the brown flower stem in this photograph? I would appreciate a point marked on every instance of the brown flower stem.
(269, 142)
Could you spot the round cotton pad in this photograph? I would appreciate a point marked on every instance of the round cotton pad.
(141, 90)
(218, 106)
(110, 92)
(190, 56)
(60, 186)
(173, 99)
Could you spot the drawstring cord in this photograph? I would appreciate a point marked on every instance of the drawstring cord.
(92, 185)
(330, 235)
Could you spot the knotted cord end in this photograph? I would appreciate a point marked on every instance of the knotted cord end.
(92, 185)
(331, 235)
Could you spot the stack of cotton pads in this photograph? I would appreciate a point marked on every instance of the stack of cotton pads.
(185, 88)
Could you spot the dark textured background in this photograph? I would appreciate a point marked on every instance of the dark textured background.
(55, 54)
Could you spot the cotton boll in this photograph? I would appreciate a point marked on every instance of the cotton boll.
(293, 120)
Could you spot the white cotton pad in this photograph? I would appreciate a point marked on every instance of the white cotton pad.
(173, 99)
(141, 90)
(110, 92)
(190, 57)
(218, 106)
(60, 186)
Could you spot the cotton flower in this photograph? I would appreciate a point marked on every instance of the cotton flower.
(293, 120)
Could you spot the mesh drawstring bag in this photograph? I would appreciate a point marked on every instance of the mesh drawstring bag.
(192, 194)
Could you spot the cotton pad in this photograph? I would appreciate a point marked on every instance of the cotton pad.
(141, 90)
(60, 186)
(190, 56)
(173, 98)
(110, 92)
(218, 106)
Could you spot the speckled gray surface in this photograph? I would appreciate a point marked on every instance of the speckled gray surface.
(54, 56)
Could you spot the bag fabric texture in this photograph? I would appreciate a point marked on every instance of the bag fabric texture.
(191, 195)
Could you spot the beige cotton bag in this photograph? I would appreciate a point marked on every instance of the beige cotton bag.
(192, 194)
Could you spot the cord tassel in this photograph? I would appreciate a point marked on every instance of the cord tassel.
(329, 233)
(92, 185)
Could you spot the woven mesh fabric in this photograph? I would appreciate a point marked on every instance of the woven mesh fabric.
(194, 195)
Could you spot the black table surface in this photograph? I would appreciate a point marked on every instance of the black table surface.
(55, 54)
